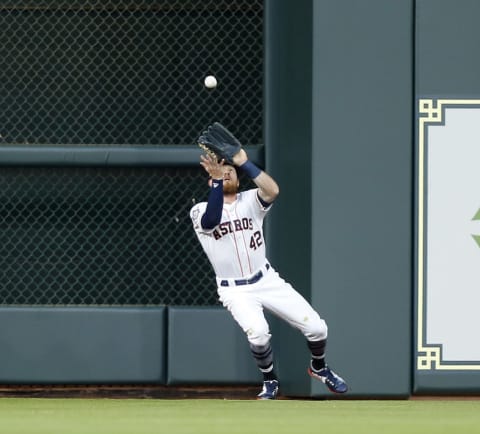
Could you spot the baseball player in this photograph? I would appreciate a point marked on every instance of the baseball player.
(229, 228)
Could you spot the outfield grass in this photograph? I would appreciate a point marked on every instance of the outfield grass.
(212, 416)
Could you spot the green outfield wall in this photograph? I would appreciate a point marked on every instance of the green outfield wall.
(447, 278)
(339, 140)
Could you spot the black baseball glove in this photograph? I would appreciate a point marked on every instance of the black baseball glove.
(219, 141)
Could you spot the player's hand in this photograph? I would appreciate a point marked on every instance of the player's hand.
(212, 166)
(240, 157)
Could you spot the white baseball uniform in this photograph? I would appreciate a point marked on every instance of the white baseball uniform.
(246, 281)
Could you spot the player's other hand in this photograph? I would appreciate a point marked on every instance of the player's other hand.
(240, 157)
(212, 166)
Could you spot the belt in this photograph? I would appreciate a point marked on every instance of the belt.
(238, 282)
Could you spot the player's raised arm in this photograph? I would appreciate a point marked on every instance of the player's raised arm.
(216, 139)
(213, 213)
(268, 189)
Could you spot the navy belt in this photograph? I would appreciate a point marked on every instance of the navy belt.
(254, 279)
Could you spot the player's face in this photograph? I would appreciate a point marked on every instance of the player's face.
(230, 180)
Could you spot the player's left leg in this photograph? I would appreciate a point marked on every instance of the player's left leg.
(283, 300)
(280, 298)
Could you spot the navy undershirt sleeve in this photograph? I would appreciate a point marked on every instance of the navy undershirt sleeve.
(213, 213)
(263, 202)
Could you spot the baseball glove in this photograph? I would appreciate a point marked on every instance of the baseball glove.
(219, 141)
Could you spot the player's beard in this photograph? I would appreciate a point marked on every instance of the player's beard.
(230, 188)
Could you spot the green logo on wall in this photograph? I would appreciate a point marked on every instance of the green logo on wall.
(477, 237)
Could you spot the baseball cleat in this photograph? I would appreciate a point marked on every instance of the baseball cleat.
(334, 383)
(269, 391)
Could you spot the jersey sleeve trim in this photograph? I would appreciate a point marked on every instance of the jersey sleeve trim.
(263, 204)
(196, 214)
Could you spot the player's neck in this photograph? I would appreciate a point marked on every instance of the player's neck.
(229, 198)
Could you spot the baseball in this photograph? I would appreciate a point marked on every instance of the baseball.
(210, 82)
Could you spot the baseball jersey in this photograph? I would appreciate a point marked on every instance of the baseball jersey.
(235, 247)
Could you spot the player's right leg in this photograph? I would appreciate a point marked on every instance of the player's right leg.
(248, 313)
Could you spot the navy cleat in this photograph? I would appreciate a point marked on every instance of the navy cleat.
(269, 391)
(334, 383)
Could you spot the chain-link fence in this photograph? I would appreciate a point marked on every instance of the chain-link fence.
(117, 73)
(129, 72)
(97, 236)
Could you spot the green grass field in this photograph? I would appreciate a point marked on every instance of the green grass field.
(211, 416)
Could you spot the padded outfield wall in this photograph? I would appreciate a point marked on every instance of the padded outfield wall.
(389, 188)
(345, 171)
